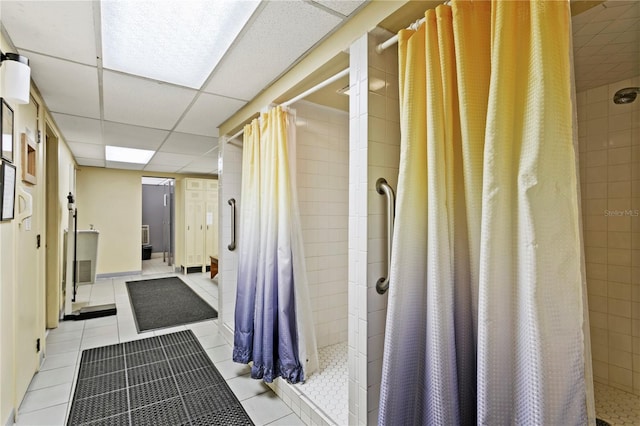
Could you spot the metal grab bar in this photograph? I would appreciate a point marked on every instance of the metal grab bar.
(384, 188)
(232, 203)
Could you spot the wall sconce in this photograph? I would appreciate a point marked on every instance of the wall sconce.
(16, 77)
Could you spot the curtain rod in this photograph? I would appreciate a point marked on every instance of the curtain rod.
(306, 93)
(393, 40)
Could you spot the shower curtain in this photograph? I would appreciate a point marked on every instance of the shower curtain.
(273, 324)
(485, 311)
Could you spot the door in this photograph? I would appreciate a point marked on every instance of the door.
(167, 223)
(28, 301)
(194, 235)
(211, 221)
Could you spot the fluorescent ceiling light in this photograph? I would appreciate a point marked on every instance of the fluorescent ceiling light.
(127, 155)
(178, 42)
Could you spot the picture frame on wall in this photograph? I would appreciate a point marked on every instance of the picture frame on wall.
(7, 190)
(6, 129)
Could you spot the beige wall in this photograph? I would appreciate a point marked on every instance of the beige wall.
(60, 167)
(111, 200)
(22, 266)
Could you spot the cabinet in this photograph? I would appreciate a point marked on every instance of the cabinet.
(200, 224)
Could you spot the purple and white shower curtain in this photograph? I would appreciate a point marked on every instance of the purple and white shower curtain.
(273, 323)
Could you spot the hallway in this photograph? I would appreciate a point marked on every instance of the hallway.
(47, 401)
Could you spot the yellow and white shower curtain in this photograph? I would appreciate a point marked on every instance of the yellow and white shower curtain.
(485, 312)
(273, 323)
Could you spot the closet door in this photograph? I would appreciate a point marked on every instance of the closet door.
(211, 220)
(194, 239)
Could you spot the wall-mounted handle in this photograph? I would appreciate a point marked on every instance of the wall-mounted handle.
(383, 188)
(232, 203)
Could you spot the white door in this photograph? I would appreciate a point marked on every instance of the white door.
(28, 301)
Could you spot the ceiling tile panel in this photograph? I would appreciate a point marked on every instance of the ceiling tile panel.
(201, 165)
(57, 28)
(345, 7)
(185, 143)
(162, 168)
(67, 87)
(87, 150)
(207, 113)
(282, 32)
(125, 166)
(171, 159)
(79, 129)
(117, 134)
(134, 100)
(90, 162)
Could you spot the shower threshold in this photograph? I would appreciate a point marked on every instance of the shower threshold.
(324, 398)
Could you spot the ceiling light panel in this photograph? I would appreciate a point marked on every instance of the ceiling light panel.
(178, 42)
(127, 155)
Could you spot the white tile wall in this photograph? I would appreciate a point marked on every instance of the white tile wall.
(229, 181)
(609, 144)
(322, 183)
(374, 153)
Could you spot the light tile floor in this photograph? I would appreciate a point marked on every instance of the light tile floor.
(617, 407)
(48, 398)
(156, 265)
(329, 389)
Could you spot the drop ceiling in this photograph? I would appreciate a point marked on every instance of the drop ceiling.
(95, 106)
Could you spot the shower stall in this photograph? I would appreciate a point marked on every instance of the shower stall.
(609, 151)
(607, 81)
(321, 170)
(341, 155)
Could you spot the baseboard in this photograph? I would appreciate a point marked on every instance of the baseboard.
(118, 274)
(190, 269)
(12, 418)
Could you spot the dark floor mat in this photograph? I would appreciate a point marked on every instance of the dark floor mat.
(149, 382)
(166, 302)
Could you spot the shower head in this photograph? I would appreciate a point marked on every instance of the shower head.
(626, 95)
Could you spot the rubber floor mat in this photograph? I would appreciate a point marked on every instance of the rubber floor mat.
(165, 380)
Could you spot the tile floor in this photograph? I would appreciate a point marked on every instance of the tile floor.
(47, 401)
(329, 390)
(617, 407)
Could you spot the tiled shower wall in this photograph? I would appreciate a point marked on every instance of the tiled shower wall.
(609, 145)
(229, 180)
(374, 153)
(322, 182)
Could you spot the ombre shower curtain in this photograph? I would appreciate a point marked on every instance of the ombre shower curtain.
(485, 312)
(273, 324)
